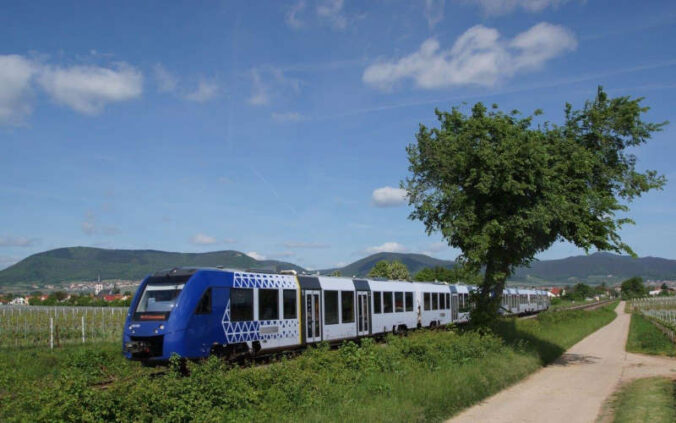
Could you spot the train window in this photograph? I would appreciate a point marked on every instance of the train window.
(290, 304)
(268, 304)
(387, 302)
(398, 302)
(204, 306)
(377, 302)
(448, 301)
(330, 307)
(347, 306)
(409, 301)
(442, 302)
(427, 301)
(241, 304)
(435, 301)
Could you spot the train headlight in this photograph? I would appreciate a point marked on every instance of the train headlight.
(129, 327)
(161, 327)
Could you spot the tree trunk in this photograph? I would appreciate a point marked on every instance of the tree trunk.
(488, 300)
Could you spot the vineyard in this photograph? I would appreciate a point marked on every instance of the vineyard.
(27, 326)
(659, 310)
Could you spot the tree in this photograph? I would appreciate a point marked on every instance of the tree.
(502, 189)
(395, 270)
(399, 271)
(580, 291)
(380, 270)
(336, 273)
(634, 287)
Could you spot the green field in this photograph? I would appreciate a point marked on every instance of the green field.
(427, 376)
(649, 400)
(645, 338)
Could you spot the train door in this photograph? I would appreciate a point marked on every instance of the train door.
(454, 307)
(313, 316)
(363, 316)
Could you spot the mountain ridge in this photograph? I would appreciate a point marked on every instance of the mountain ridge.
(71, 264)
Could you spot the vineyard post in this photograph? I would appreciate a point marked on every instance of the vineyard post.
(83, 329)
(51, 333)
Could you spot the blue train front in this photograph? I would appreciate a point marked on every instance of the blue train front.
(198, 312)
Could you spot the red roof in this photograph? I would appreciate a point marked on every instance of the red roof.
(109, 298)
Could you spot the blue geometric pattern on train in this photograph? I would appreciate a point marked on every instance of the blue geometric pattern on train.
(263, 280)
(236, 332)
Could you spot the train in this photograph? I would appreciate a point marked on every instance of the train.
(198, 312)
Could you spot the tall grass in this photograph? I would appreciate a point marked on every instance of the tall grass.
(649, 400)
(645, 338)
(427, 376)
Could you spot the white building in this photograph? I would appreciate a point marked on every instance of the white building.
(19, 301)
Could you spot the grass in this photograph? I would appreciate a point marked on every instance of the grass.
(427, 376)
(649, 400)
(645, 338)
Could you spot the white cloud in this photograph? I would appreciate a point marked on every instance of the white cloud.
(15, 78)
(388, 247)
(268, 82)
(259, 94)
(205, 91)
(479, 56)
(324, 13)
(87, 89)
(305, 245)
(166, 81)
(254, 255)
(202, 239)
(292, 15)
(389, 197)
(332, 11)
(501, 7)
(434, 12)
(287, 117)
(17, 241)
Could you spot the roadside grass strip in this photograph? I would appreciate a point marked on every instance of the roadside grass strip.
(426, 376)
(649, 400)
(645, 338)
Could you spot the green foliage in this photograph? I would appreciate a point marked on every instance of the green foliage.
(502, 190)
(336, 273)
(380, 270)
(442, 274)
(426, 376)
(579, 292)
(634, 288)
(398, 271)
(645, 338)
(394, 270)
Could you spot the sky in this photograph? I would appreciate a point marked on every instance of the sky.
(279, 128)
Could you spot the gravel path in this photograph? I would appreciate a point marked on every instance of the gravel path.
(574, 388)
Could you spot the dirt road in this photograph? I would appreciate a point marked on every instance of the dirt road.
(574, 388)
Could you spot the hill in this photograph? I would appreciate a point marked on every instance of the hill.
(65, 265)
(592, 269)
(86, 264)
(414, 263)
(597, 268)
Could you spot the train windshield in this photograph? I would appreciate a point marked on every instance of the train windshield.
(157, 301)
